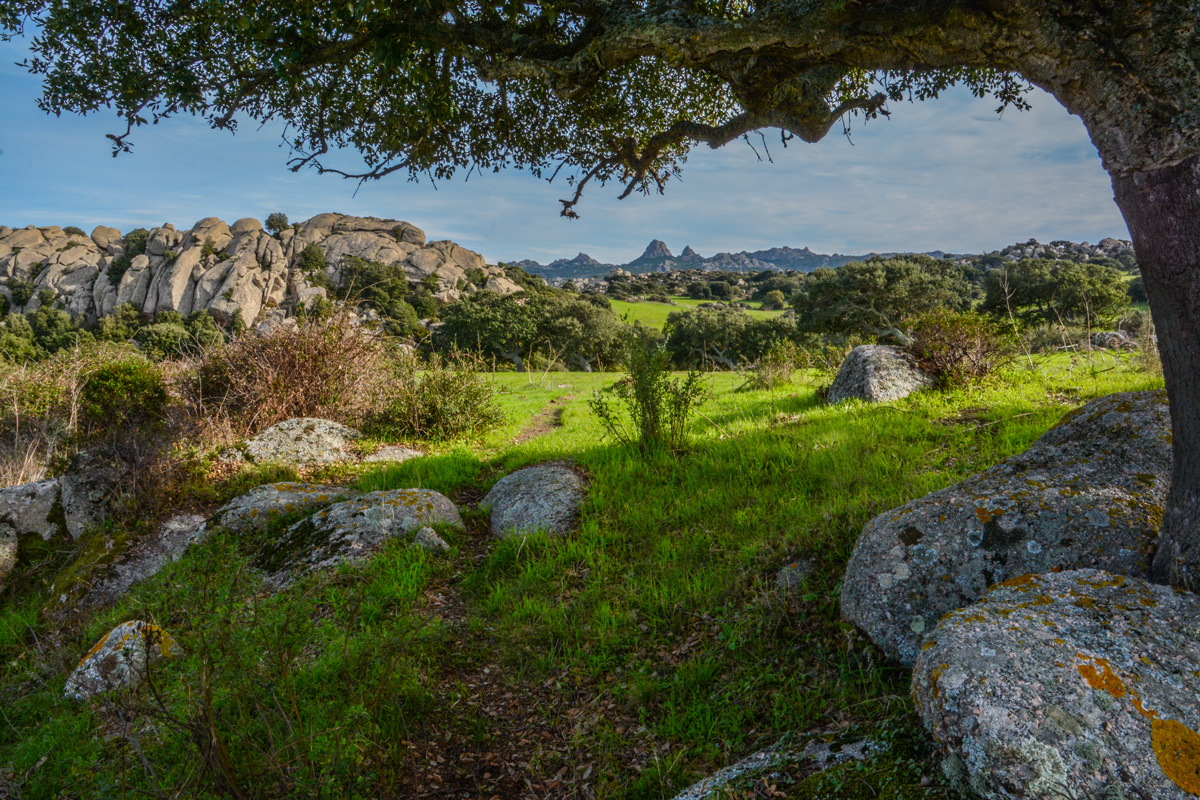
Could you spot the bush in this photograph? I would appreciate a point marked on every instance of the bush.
(329, 368)
(163, 340)
(121, 325)
(117, 269)
(72, 230)
(958, 347)
(444, 398)
(776, 368)
(658, 405)
(276, 223)
(773, 300)
(22, 291)
(135, 242)
(123, 394)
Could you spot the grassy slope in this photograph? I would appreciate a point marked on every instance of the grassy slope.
(654, 314)
(621, 662)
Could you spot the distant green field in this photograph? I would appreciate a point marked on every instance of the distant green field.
(655, 314)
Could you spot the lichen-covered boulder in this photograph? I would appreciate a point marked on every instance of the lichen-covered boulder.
(149, 555)
(541, 498)
(352, 530)
(33, 508)
(300, 441)
(1071, 684)
(88, 488)
(877, 373)
(255, 510)
(1089, 493)
(120, 660)
(1114, 340)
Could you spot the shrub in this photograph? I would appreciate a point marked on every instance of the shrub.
(72, 230)
(773, 300)
(135, 242)
(123, 393)
(958, 347)
(117, 269)
(121, 325)
(276, 223)
(22, 291)
(658, 405)
(209, 248)
(163, 340)
(444, 398)
(328, 368)
(776, 368)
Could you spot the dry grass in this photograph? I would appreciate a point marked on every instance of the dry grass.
(330, 368)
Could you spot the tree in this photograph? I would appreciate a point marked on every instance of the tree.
(1041, 290)
(622, 89)
(873, 297)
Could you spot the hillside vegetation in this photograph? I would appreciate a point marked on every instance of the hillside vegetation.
(627, 660)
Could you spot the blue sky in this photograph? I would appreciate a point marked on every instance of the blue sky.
(944, 175)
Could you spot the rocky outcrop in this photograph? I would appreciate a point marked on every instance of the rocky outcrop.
(88, 488)
(144, 560)
(1089, 493)
(262, 505)
(542, 498)
(300, 441)
(1073, 684)
(349, 531)
(877, 373)
(219, 268)
(120, 660)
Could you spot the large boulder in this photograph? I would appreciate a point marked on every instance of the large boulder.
(120, 660)
(33, 508)
(1089, 493)
(1072, 684)
(877, 373)
(304, 440)
(542, 498)
(88, 488)
(352, 530)
(258, 508)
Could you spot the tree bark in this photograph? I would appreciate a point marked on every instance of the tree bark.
(1162, 209)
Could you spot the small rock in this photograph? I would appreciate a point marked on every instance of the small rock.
(1082, 681)
(542, 498)
(352, 530)
(1089, 493)
(877, 373)
(793, 575)
(393, 452)
(300, 441)
(120, 659)
(33, 508)
(255, 510)
(427, 539)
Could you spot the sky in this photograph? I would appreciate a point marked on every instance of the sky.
(948, 174)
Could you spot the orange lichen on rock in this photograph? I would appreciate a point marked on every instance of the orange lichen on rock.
(1018, 582)
(1177, 748)
(1104, 678)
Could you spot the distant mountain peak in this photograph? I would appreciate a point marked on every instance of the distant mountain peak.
(688, 252)
(656, 250)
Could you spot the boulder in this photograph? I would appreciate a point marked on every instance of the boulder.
(877, 373)
(1114, 340)
(255, 510)
(88, 488)
(1070, 684)
(393, 453)
(33, 508)
(1088, 493)
(541, 498)
(303, 440)
(352, 530)
(120, 660)
(146, 558)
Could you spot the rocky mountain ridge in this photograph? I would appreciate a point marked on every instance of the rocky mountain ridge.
(657, 257)
(227, 270)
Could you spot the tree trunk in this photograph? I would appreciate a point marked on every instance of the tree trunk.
(1162, 209)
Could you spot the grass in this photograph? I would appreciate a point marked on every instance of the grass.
(622, 662)
(654, 315)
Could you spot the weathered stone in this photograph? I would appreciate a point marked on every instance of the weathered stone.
(812, 753)
(792, 576)
(1089, 493)
(304, 440)
(8, 551)
(33, 508)
(1071, 684)
(427, 539)
(1114, 340)
(120, 660)
(352, 530)
(245, 225)
(877, 373)
(258, 508)
(88, 488)
(27, 237)
(146, 558)
(545, 498)
(502, 285)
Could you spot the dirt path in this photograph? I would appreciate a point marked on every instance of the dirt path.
(546, 420)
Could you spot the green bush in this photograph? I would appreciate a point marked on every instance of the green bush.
(441, 399)
(22, 291)
(123, 393)
(71, 230)
(658, 406)
(163, 340)
(117, 269)
(135, 242)
(777, 367)
(121, 324)
(958, 347)
(773, 300)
